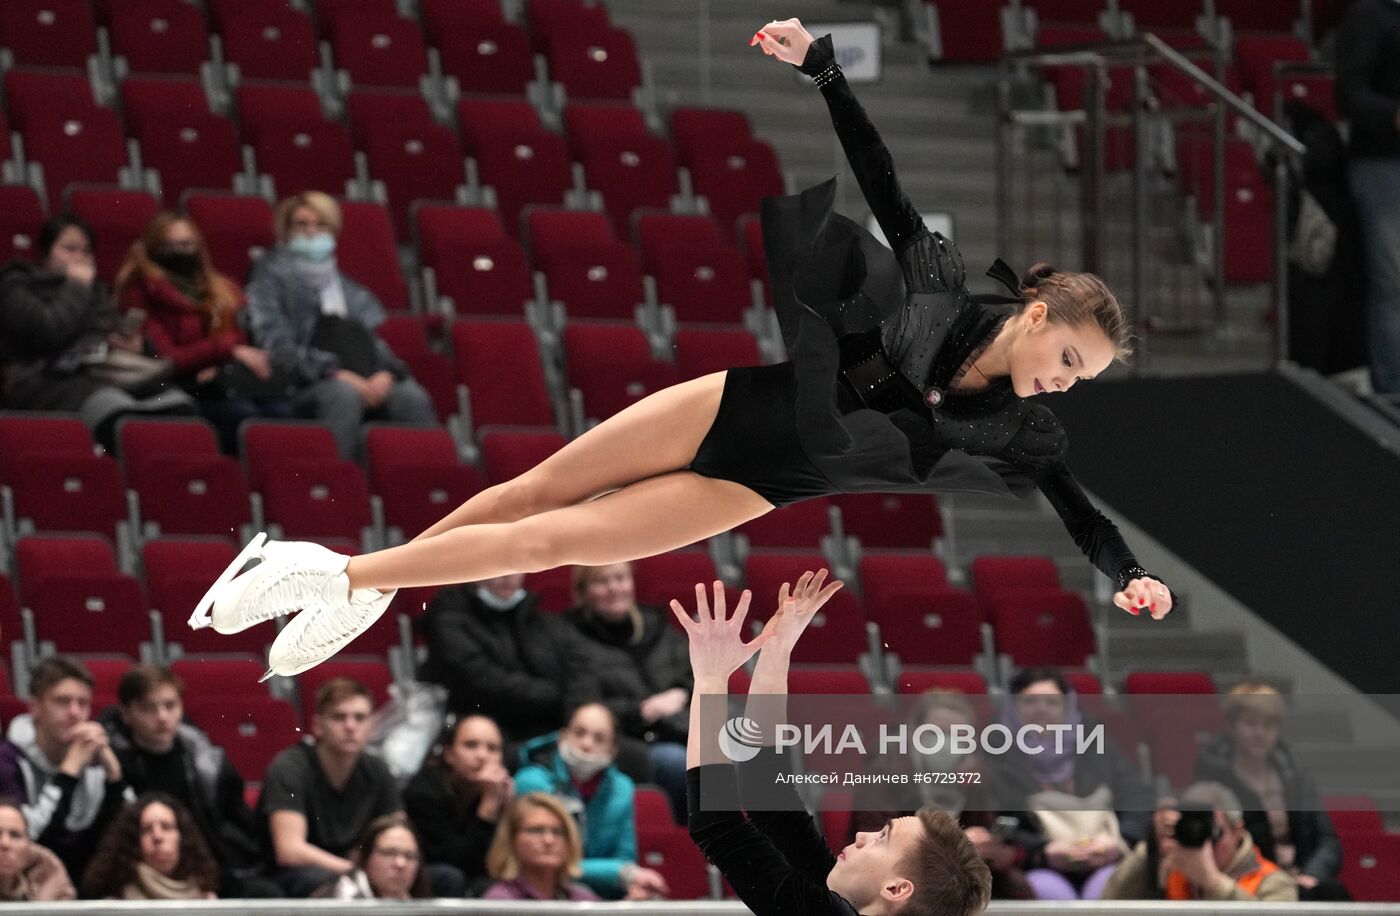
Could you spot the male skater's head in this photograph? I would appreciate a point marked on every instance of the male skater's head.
(921, 865)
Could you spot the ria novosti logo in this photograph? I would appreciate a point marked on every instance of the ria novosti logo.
(740, 739)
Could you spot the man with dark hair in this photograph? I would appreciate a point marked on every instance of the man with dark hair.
(776, 860)
(159, 751)
(58, 763)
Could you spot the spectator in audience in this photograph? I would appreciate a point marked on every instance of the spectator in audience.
(388, 865)
(498, 655)
(457, 799)
(1061, 867)
(319, 798)
(160, 752)
(576, 767)
(1368, 95)
(317, 322)
(57, 329)
(877, 803)
(28, 871)
(536, 853)
(192, 317)
(153, 851)
(643, 669)
(1226, 865)
(58, 763)
(1282, 806)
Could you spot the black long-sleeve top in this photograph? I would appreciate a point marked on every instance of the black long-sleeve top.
(776, 861)
(1368, 76)
(451, 832)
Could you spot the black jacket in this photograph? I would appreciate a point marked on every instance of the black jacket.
(1310, 829)
(1368, 76)
(451, 831)
(628, 673)
(46, 321)
(522, 668)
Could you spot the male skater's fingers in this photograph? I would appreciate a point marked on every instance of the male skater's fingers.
(741, 610)
(702, 603)
(719, 602)
(682, 615)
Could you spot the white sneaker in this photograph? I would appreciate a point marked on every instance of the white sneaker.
(293, 575)
(323, 630)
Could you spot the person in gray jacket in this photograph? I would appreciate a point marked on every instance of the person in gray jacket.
(318, 323)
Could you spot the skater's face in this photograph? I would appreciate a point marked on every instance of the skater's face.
(14, 842)
(154, 718)
(609, 592)
(541, 841)
(476, 745)
(160, 838)
(393, 863)
(872, 868)
(344, 728)
(1048, 357)
(62, 706)
(1041, 704)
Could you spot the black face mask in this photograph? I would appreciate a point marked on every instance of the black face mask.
(180, 263)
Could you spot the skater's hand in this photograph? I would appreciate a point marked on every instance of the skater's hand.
(1145, 593)
(717, 644)
(787, 41)
(797, 607)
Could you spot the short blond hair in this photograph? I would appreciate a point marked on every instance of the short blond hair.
(322, 203)
(501, 862)
(1254, 695)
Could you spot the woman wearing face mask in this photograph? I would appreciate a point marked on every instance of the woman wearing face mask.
(152, 851)
(576, 766)
(388, 865)
(536, 853)
(457, 798)
(316, 322)
(192, 317)
(28, 871)
(643, 669)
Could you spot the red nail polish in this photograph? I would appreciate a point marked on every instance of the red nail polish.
(1134, 611)
(763, 36)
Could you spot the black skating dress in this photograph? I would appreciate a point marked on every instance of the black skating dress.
(875, 338)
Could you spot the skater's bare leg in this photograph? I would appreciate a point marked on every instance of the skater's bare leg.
(659, 433)
(639, 520)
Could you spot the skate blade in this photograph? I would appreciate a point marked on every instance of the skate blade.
(201, 617)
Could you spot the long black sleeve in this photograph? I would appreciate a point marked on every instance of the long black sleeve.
(784, 818)
(1094, 534)
(866, 152)
(446, 838)
(762, 877)
(1368, 77)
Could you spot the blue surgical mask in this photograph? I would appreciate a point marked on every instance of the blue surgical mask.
(496, 602)
(314, 248)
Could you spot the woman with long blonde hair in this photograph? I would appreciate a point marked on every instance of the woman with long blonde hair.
(537, 852)
(899, 381)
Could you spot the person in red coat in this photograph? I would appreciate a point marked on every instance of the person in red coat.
(193, 317)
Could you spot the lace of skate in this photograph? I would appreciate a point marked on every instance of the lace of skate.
(335, 624)
(292, 588)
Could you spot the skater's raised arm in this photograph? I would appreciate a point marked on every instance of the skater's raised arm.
(870, 160)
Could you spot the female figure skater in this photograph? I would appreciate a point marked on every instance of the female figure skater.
(899, 381)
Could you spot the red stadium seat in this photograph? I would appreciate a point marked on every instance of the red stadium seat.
(229, 678)
(674, 854)
(736, 182)
(508, 454)
(330, 13)
(1043, 627)
(699, 130)
(880, 572)
(631, 166)
(9, 619)
(594, 64)
(373, 110)
(118, 217)
(107, 672)
(41, 96)
(585, 267)
(83, 149)
(927, 625)
(251, 731)
(1174, 89)
(442, 17)
(21, 215)
(368, 252)
(22, 434)
(373, 673)
(812, 679)
(415, 163)
(480, 117)
(317, 499)
(432, 370)
(992, 575)
(158, 36)
(486, 57)
(266, 444)
(1371, 866)
(523, 166)
(187, 145)
(552, 588)
(310, 156)
(48, 33)
(884, 520)
(916, 681)
(701, 351)
(548, 18)
(1245, 16)
(268, 41)
(970, 30)
(519, 397)
(612, 365)
(673, 575)
(474, 262)
(185, 486)
(802, 524)
(417, 476)
(60, 490)
(837, 632)
(651, 808)
(238, 229)
(1151, 15)
(147, 100)
(263, 105)
(379, 50)
(178, 573)
(1169, 682)
(79, 599)
(1256, 55)
(698, 273)
(1316, 90)
(1067, 10)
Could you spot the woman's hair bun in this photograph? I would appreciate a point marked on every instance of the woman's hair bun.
(1035, 274)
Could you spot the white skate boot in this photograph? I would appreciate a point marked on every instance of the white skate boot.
(321, 631)
(293, 575)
